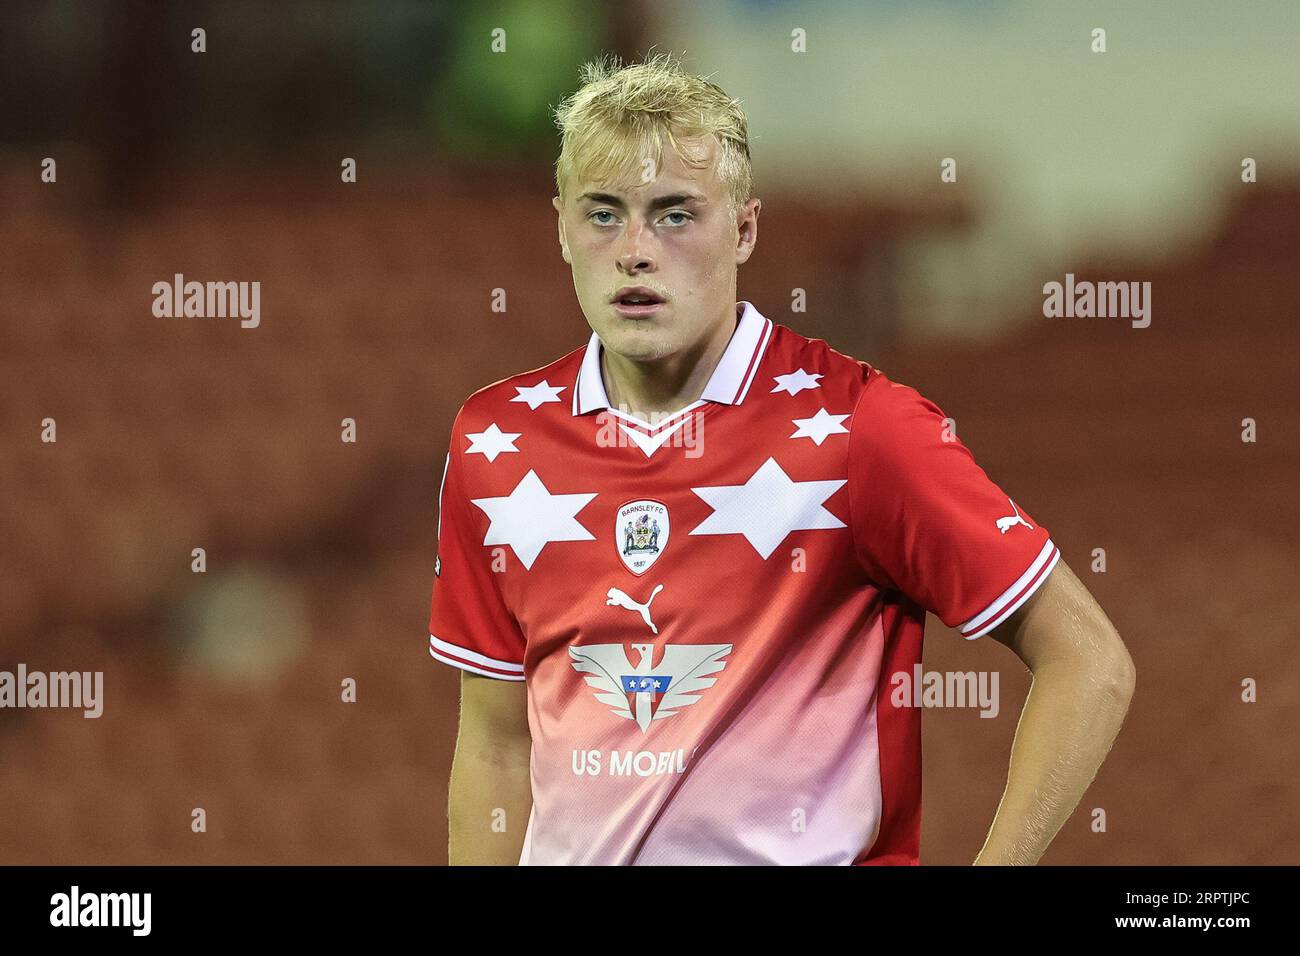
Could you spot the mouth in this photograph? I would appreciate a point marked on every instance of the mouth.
(637, 302)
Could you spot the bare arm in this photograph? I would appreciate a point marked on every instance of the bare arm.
(490, 795)
(1083, 682)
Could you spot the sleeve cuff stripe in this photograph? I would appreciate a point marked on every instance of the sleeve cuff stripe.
(463, 665)
(473, 657)
(1014, 596)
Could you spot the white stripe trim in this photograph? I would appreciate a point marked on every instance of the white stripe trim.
(1007, 602)
(1012, 608)
(589, 391)
(449, 648)
(470, 667)
(664, 422)
(446, 466)
(650, 443)
(725, 383)
(758, 360)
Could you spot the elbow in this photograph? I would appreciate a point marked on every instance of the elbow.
(1118, 675)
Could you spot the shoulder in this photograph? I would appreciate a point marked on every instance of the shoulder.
(794, 363)
(898, 433)
(884, 403)
(806, 373)
(512, 397)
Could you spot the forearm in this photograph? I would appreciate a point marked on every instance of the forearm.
(1070, 719)
(487, 806)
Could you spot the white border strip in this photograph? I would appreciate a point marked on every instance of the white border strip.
(1007, 602)
(758, 360)
(473, 656)
(470, 667)
(446, 467)
(589, 390)
(665, 422)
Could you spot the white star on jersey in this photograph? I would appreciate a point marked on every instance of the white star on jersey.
(767, 507)
(796, 382)
(820, 426)
(492, 442)
(530, 517)
(538, 394)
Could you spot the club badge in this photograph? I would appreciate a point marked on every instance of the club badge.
(641, 534)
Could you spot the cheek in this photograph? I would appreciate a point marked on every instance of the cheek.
(590, 256)
(713, 251)
(711, 261)
(583, 258)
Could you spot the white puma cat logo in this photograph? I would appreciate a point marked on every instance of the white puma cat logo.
(1004, 524)
(621, 599)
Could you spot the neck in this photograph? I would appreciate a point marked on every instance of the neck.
(657, 388)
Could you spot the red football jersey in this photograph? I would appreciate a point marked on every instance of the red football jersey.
(707, 609)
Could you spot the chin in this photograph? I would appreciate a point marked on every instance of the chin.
(639, 344)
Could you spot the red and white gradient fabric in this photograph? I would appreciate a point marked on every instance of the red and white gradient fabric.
(707, 609)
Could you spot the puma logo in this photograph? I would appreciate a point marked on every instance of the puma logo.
(1004, 524)
(621, 599)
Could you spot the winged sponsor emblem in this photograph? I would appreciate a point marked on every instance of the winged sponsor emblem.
(648, 692)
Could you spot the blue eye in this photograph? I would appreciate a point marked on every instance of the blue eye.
(601, 212)
(687, 215)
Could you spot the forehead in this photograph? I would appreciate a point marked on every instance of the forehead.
(640, 181)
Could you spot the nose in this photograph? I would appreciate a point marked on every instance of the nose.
(634, 258)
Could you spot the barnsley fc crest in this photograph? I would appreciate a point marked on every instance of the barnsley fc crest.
(641, 533)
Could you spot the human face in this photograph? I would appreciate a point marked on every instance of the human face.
(675, 236)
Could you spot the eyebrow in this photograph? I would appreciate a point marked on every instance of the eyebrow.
(661, 202)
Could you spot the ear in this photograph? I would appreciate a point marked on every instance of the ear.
(564, 242)
(747, 230)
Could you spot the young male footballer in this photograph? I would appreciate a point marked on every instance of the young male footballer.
(679, 566)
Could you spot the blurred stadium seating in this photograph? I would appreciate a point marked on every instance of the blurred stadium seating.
(175, 434)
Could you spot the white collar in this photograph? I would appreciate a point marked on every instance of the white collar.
(730, 380)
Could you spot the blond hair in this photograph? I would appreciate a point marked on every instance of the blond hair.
(622, 114)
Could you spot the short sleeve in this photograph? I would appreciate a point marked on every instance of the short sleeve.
(928, 522)
(470, 626)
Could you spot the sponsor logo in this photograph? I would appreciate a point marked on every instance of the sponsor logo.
(648, 691)
(1005, 524)
(619, 598)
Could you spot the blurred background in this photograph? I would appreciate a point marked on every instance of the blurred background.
(222, 689)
